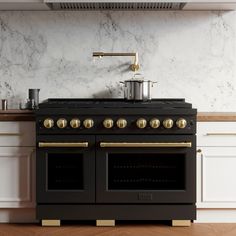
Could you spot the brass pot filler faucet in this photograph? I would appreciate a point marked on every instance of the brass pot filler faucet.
(134, 67)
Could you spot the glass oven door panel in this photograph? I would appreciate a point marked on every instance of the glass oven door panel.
(145, 171)
(66, 174)
(65, 171)
(146, 174)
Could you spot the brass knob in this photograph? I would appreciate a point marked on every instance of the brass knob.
(108, 123)
(141, 123)
(48, 123)
(88, 123)
(121, 123)
(154, 123)
(75, 123)
(168, 123)
(61, 123)
(181, 123)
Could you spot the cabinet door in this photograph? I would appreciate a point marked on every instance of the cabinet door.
(17, 177)
(217, 181)
(14, 134)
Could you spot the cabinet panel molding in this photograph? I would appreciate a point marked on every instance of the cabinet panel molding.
(17, 176)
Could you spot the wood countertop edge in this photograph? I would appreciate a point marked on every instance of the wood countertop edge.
(17, 117)
(201, 116)
(216, 116)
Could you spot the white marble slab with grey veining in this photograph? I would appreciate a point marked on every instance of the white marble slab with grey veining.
(190, 54)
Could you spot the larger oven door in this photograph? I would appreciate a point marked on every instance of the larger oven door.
(146, 169)
(65, 169)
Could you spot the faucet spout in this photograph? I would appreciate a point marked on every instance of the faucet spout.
(134, 67)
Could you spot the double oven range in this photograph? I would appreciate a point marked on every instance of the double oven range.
(112, 159)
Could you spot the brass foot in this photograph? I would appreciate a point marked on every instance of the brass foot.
(105, 222)
(181, 222)
(51, 223)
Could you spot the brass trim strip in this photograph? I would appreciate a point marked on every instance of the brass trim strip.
(82, 144)
(145, 145)
(10, 134)
(215, 134)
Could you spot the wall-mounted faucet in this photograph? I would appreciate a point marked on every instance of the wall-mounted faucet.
(134, 67)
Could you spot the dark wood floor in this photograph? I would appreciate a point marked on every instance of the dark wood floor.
(123, 229)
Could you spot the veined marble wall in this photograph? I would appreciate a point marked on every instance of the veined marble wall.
(190, 54)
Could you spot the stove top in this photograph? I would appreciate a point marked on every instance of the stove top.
(115, 102)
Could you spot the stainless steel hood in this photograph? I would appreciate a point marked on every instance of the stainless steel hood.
(142, 5)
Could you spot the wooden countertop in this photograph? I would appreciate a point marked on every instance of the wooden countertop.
(16, 115)
(28, 115)
(216, 116)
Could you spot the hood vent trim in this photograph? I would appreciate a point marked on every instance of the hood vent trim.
(129, 6)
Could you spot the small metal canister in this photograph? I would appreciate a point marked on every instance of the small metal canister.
(4, 104)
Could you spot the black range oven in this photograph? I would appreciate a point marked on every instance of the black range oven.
(113, 159)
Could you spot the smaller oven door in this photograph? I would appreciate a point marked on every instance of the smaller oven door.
(65, 169)
(146, 169)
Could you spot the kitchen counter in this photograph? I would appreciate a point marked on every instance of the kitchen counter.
(28, 115)
(17, 115)
(216, 116)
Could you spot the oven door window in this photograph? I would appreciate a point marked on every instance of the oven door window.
(65, 171)
(151, 171)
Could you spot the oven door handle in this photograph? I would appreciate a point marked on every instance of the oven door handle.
(145, 145)
(63, 145)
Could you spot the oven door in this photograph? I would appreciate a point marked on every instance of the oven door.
(146, 169)
(65, 169)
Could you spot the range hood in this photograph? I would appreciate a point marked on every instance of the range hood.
(142, 5)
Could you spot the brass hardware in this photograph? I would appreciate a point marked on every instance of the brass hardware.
(141, 123)
(154, 123)
(61, 123)
(10, 134)
(199, 150)
(181, 123)
(108, 123)
(168, 123)
(48, 123)
(51, 223)
(75, 123)
(145, 145)
(45, 144)
(105, 222)
(181, 223)
(224, 134)
(134, 67)
(121, 123)
(88, 123)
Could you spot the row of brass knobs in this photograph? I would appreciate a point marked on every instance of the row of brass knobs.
(121, 123)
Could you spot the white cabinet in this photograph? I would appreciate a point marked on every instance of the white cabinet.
(216, 177)
(17, 164)
(216, 172)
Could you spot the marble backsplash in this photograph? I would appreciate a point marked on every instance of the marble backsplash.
(190, 55)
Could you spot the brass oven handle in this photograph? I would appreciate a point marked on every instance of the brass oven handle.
(82, 144)
(214, 134)
(145, 145)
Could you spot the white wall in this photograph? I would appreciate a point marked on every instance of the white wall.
(189, 54)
